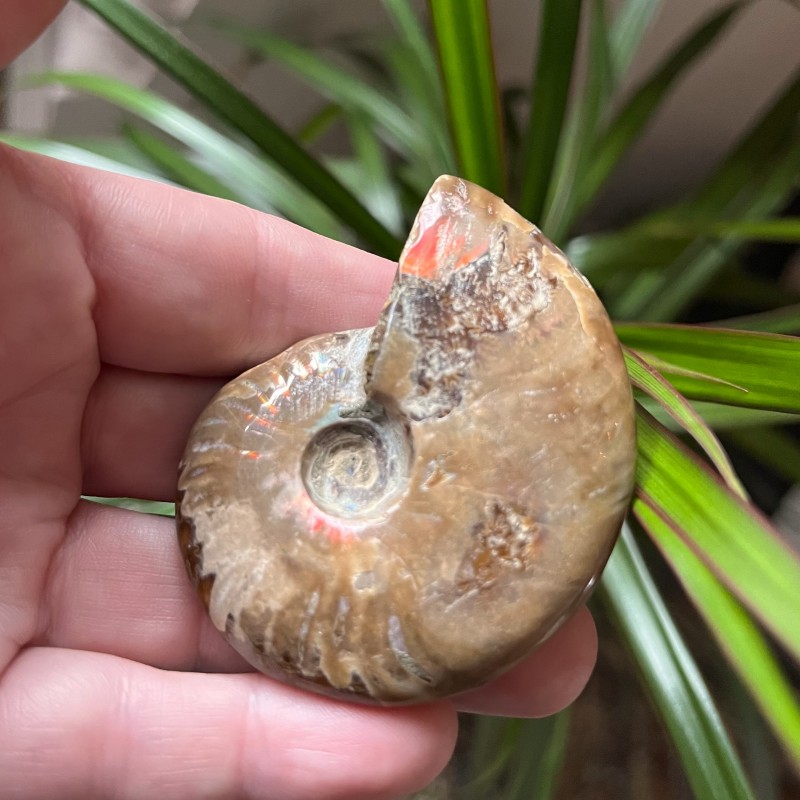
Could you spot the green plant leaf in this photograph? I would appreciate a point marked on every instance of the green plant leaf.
(605, 255)
(318, 123)
(540, 751)
(671, 676)
(376, 184)
(117, 148)
(558, 38)
(76, 155)
(257, 181)
(640, 109)
(156, 507)
(753, 182)
(645, 377)
(731, 537)
(655, 243)
(492, 745)
(731, 188)
(729, 623)
(413, 34)
(416, 76)
(522, 755)
(775, 448)
(733, 286)
(580, 130)
(227, 103)
(780, 320)
(784, 229)
(765, 365)
(677, 287)
(337, 85)
(630, 25)
(425, 102)
(675, 371)
(763, 763)
(467, 63)
(173, 163)
(722, 418)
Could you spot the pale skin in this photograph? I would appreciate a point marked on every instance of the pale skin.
(124, 305)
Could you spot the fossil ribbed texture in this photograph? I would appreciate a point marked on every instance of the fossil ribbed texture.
(401, 512)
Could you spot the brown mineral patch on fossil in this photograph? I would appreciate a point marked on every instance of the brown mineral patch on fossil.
(504, 541)
(400, 513)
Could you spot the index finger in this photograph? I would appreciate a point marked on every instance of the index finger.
(196, 285)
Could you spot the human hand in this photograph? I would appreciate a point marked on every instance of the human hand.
(124, 305)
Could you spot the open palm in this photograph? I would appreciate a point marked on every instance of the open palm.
(123, 307)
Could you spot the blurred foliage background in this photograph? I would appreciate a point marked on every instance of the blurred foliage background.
(696, 692)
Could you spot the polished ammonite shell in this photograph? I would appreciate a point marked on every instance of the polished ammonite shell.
(401, 512)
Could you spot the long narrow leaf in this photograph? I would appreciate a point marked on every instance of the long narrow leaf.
(467, 63)
(408, 26)
(774, 132)
(630, 25)
(730, 536)
(786, 229)
(721, 418)
(174, 164)
(733, 286)
(602, 256)
(546, 781)
(318, 123)
(654, 244)
(752, 182)
(424, 102)
(524, 756)
(761, 759)
(380, 193)
(262, 185)
(492, 746)
(640, 109)
(658, 364)
(774, 448)
(558, 38)
(421, 86)
(730, 624)
(757, 370)
(646, 378)
(539, 750)
(706, 258)
(156, 507)
(76, 155)
(671, 676)
(335, 83)
(781, 320)
(220, 97)
(580, 131)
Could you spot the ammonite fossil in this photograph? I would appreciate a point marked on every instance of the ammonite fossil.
(401, 512)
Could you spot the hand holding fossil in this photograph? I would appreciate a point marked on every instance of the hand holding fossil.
(124, 306)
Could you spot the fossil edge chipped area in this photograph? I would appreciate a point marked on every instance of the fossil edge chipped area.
(400, 513)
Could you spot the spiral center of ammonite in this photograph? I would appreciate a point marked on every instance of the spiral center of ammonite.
(356, 468)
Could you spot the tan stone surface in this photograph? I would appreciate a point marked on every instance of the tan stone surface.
(400, 513)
